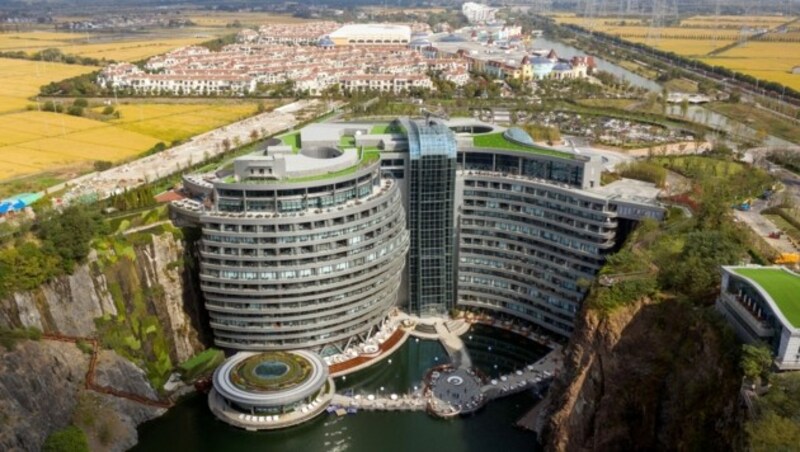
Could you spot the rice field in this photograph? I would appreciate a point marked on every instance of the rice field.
(765, 60)
(685, 47)
(36, 40)
(174, 122)
(21, 79)
(772, 57)
(221, 19)
(128, 50)
(33, 142)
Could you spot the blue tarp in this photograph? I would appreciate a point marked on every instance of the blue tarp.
(18, 202)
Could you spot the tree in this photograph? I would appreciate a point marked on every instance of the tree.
(68, 234)
(773, 433)
(68, 439)
(756, 362)
(695, 270)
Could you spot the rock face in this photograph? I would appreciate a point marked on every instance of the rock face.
(39, 386)
(136, 297)
(42, 390)
(70, 304)
(649, 376)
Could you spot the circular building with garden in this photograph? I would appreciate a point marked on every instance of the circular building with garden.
(270, 390)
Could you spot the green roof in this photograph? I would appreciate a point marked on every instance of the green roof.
(380, 129)
(782, 286)
(293, 140)
(499, 141)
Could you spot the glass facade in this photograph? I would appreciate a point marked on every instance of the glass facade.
(431, 177)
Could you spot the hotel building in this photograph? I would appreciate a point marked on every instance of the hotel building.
(310, 243)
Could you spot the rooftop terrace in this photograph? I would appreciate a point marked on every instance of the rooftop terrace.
(498, 140)
(782, 285)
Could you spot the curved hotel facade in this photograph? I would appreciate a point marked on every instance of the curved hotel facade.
(311, 247)
(292, 258)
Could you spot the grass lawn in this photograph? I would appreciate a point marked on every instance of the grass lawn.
(782, 286)
(681, 85)
(347, 142)
(293, 140)
(498, 141)
(759, 120)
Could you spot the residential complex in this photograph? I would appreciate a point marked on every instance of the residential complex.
(304, 243)
(763, 305)
(318, 56)
(477, 13)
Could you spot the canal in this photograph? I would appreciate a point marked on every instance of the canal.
(190, 426)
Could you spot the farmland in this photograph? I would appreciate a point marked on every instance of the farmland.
(221, 19)
(771, 57)
(765, 60)
(21, 79)
(37, 40)
(175, 122)
(128, 50)
(32, 142)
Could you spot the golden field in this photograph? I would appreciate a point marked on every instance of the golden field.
(735, 21)
(32, 142)
(21, 79)
(221, 19)
(173, 122)
(685, 47)
(128, 50)
(766, 60)
(34, 41)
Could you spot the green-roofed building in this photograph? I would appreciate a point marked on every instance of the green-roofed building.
(763, 304)
(304, 242)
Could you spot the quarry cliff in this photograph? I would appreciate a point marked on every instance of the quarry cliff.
(655, 374)
(138, 298)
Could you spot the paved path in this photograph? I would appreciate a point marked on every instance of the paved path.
(196, 150)
(533, 375)
(404, 402)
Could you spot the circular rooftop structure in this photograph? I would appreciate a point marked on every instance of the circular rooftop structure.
(519, 136)
(290, 387)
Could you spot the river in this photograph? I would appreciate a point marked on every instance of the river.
(695, 113)
(190, 426)
(567, 51)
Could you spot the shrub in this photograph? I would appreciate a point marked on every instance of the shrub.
(81, 102)
(108, 110)
(75, 110)
(69, 439)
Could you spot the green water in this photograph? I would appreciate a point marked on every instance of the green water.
(190, 426)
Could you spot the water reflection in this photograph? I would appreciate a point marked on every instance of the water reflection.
(190, 426)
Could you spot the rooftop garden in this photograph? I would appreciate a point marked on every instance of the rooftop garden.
(499, 141)
(783, 287)
(380, 129)
(347, 141)
(271, 371)
(293, 140)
